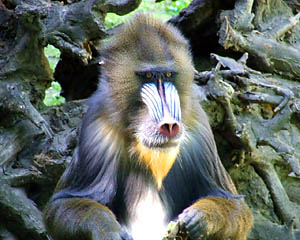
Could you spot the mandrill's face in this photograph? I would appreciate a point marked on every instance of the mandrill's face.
(160, 123)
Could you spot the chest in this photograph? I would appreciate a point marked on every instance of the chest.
(148, 216)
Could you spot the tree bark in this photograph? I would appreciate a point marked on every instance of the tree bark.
(248, 85)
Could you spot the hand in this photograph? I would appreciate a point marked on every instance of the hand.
(193, 222)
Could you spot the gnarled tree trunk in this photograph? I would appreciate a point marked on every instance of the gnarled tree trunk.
(247, 53)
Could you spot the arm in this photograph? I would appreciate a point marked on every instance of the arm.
(79, 218)
(78, 209)
(216, 210)
(217, 217)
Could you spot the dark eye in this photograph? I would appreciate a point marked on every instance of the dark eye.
(169, 74)
(148, 75)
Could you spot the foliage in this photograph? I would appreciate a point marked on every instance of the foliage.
(162, 10)
(52, 95)
(53, 55)
(173, 8)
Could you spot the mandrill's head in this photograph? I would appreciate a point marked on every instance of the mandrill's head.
(149, 72)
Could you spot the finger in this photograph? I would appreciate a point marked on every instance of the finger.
(197, 232)
(193, 222)
(196, 220)
(186, 217)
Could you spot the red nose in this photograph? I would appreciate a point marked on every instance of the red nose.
(169, 128)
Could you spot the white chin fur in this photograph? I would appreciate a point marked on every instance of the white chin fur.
(148, 221)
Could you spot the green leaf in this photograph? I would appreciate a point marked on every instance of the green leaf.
(162, 10)
(53, 55)
(52, 95)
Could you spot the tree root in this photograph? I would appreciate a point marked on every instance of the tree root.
(253, 137)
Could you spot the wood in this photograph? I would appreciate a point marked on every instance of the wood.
(247, 68)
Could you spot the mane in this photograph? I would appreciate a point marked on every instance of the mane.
(132, 35)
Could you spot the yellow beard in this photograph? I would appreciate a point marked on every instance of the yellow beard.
(159, 161)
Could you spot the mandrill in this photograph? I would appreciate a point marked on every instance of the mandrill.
(146, 153)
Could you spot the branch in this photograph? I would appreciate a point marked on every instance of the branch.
(274, 56)
(119, 7)
(17, 101)
(279, 196)
(280, 30)
(22, 211)
(242, 16)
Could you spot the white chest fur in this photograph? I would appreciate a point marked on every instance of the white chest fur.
(148, 221)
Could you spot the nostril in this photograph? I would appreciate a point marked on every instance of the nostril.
(169, 129)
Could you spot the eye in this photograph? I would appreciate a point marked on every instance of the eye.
(148, 75)
(169, 74)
